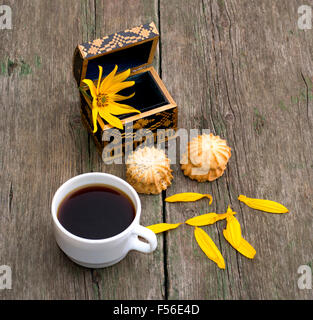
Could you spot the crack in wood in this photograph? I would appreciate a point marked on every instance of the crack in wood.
(307, 98)
(165, 248)
(165, 253)
(95, 275)
(160, 41)
(301, 127)
(96, 279)
(10, 197)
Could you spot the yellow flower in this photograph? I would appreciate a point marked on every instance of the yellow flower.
(105, 97)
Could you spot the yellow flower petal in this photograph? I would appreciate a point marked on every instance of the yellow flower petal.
(121, 77)
(244, 248)
(161, 227)
(99, 80)
(233, 229)
(95, 111)
(188, 196)
(202, 220)
(230, 211)
(206, 219)
(117, 108)
(118, 97)
(263, 205)
(107, 81)
(92, 87)
(208, 247)
(120, 86)
(113, 121)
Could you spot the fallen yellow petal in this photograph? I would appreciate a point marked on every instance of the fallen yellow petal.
(206, 219)
(202, 220)
(188, 196)
(233, 230)
(230, 211)
(263, 205)
(244, 247)
(208, 247)
(161, 227)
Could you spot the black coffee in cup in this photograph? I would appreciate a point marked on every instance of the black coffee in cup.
(96, 212)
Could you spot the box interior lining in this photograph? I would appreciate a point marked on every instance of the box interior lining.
(131, 57)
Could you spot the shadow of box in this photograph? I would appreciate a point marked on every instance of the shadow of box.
(130, 49)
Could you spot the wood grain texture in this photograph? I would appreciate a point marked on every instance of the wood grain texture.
(247, 77)
(46, 144)
(239, 68)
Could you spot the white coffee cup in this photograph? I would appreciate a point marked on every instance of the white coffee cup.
(104, 252)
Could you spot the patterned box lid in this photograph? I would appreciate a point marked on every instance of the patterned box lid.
(118, 40)
(132, 48)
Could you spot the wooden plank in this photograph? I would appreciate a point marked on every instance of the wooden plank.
(239, 68)
(243, 70)
(46, 144)
(125, 281)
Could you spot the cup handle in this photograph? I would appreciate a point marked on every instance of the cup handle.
(141, 246)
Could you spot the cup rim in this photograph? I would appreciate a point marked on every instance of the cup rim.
(54, 208)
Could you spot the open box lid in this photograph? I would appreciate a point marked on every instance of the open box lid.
(132, 48)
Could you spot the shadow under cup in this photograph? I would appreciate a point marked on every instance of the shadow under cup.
(98, 253)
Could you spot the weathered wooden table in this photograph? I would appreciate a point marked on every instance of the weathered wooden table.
(240, 68)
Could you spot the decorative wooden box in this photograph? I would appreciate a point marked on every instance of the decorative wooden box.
(130, 49)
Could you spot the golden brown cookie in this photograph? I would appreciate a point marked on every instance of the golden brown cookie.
(148, 170)
(206, 159)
